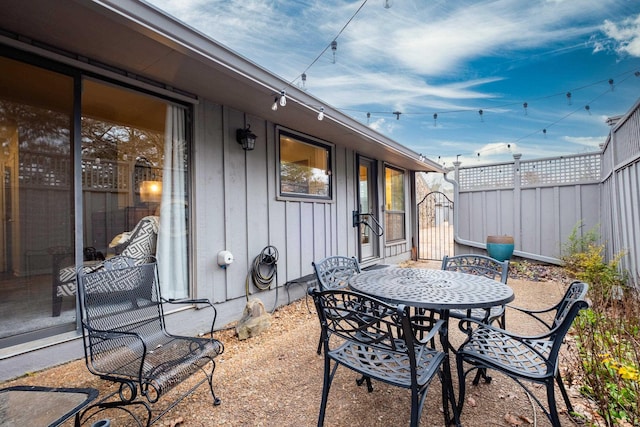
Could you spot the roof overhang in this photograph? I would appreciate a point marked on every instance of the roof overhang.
(133, 38)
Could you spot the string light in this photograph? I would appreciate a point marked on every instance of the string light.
(586, 107)
(274, 107)
(481, 113)
(397, 113)
(525, 105)
(368, 117)
(611, 84)
(568, 98)
(304, 80)
(283, 98)
(435, 119)
(321, 114)
(334, 47)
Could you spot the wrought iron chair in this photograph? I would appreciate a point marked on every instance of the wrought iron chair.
(334, 272)
(530, 358)
(140, 244)
(126, 338)
(376, 339)
(479, 265)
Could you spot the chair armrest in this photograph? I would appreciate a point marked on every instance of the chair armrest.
(107, 335)
(469, 321)
(435, 329)
(534, 313)
(195, 301)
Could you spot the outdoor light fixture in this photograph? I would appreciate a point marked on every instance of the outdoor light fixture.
(246, 138)
(321, 113)
(283, 98)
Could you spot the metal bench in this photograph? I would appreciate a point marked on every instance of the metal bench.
(126, 339)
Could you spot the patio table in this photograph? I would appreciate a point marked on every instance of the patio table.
(42, 406)
(439, 290)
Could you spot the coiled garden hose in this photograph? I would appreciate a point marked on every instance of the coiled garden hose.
(263, 272)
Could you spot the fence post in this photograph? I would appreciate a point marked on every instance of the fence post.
(517, 202)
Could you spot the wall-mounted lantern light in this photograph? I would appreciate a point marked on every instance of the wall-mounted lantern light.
(246, 138)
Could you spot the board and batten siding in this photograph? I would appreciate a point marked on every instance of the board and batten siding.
(237, 208)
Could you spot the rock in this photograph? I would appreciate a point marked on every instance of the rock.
(254, 321)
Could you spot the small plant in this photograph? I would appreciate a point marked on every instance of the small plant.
(608, 333)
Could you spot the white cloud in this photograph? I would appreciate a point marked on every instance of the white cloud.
(625, 35)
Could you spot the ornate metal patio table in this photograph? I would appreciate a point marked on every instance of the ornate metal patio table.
(433, 290)
(42, 406)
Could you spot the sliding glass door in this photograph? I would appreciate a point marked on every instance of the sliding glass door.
(132, 179)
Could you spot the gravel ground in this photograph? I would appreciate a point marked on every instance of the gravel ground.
(275, 379)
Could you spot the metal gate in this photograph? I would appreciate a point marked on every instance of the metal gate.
(435, 226)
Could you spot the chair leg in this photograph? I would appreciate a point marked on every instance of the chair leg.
(551, 401)
(326, 385)
(481, 373)
(565, 396)
(415, 409)
(364, 379)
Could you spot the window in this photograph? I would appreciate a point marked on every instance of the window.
(305, 167)
(394, 204)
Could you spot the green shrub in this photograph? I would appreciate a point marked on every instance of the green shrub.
(608, 332)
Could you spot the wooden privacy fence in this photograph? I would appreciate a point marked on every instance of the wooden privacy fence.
(540, 202)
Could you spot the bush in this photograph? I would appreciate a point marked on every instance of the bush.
(608, 333)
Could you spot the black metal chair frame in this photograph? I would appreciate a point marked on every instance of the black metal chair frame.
(126, 338)
(333, 273)
(530, 358)
(479, 265)
(376, 339)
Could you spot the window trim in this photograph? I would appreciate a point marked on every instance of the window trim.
(404, 210)
(308, 139)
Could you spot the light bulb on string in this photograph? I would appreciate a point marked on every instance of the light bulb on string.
(525, 106)
(611, 84)
(586, 107)
(274, 107)
(304, 80)
(480, 112)
(544, 131)
(435, 119)
(568, 98)
(334, 47)
(397, 113)
(283, 98)
(368, 117)
(321, 114)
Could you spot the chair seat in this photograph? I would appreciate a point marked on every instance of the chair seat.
(478, 313)
(528, 358)
(388, 366)
(168, 361)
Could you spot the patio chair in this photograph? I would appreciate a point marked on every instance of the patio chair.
(139, 244)
(479, 265)
(530, 358)
(126, 340)
(376, 339)
(334, 272)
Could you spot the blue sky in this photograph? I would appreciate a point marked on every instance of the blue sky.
(450, 58)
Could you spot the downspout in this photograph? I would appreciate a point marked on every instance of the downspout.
(481, 245)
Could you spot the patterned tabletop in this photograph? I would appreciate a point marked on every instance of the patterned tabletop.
(432, 289)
